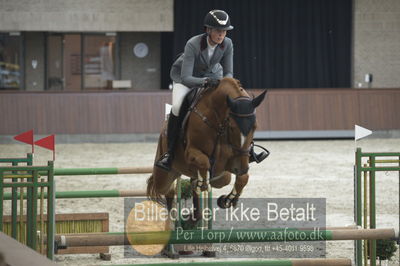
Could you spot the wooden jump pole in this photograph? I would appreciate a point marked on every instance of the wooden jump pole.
(220, 236)
(114, 193)
(102, 171)
(283, 262)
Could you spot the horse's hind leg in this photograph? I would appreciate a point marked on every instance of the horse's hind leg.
(196, 207)
(169, 250)
(196, 215)
(170, 197)
(226, 201)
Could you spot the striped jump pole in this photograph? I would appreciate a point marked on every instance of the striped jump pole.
(181, 236)
(102, 171)
(114, 193)
(291, 262)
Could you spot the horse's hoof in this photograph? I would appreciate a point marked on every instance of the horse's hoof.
(221, 202)
(170, 254)
(234, 202)
(205, 187)
(209, 254)
(185, 252)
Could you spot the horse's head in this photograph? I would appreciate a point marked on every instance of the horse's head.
(231, 99)
(243, 111)
(240, 108)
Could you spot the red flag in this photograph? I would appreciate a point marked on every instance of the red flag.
(26, 137)
(47, 143)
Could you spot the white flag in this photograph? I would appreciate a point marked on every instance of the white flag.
(361, 132)
(168, 108)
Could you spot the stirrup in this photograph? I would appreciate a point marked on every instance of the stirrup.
(165, 162)
(258, 158)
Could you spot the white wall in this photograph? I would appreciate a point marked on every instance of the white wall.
(86, 15)
(377, 42)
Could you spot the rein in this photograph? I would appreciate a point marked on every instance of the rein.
(221, 130)
(221, 127)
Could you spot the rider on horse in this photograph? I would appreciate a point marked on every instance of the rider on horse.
(207, 58)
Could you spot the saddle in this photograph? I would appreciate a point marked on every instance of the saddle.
(189, 102)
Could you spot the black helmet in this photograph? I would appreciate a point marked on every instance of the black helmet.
(218, 19)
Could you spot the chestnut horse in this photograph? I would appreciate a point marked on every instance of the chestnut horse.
(218, 137)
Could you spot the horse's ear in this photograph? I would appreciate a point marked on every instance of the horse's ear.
(229, 101)
(256, 101)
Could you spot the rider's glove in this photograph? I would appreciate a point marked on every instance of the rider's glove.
(212, 82)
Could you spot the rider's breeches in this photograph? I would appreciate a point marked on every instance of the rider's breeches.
(179, 92)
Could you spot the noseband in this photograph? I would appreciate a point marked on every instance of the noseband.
(242, 115)
(221, 129)
(222, 126)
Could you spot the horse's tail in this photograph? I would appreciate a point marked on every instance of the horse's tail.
(152, 192)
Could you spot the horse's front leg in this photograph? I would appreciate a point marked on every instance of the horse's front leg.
(198, 159)
(226, 201)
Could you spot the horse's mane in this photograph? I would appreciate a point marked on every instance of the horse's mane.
(234, 86)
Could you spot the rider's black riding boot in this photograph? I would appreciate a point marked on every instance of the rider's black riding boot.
(257, 157)
(165, 161)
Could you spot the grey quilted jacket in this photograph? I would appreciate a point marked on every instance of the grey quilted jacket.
(193, 66)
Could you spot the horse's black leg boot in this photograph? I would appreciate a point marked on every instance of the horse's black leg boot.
(165, 161)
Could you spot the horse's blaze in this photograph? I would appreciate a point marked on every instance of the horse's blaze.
(242, 140)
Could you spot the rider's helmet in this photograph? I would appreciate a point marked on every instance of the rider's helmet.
(217, 19)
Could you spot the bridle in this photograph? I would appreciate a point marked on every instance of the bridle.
(240, 150)
(222, 129)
